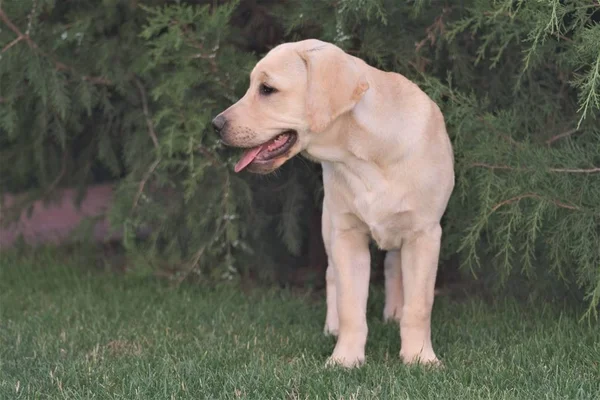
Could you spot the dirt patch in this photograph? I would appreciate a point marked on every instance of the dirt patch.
(118, 348)
(114, 348)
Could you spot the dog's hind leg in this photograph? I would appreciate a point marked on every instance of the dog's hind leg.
(394, 296)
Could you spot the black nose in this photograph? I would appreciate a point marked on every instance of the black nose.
(218, 123)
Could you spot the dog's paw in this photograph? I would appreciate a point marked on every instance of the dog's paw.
(344, 362)
(391, 314)
(426, 358)
(332, 326)
(346, 358)
(330, 330)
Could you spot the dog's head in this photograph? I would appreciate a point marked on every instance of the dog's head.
(296, 91)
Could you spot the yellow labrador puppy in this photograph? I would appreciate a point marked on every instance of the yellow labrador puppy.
(387, 174)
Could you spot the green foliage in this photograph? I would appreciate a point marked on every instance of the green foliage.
(127, 90)
(194, 72)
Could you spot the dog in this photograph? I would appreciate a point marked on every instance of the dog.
(388, 173)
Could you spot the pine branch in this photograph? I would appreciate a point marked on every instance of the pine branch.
(211, 58)
(591, 99)
(493, 129)
(153, 137)
(60, 66)
(146, 111)
(531, 196)
(576, 170)
(11, 44)
(30, 17)
(196, 259)
(61, 174)
(565, 170)
(561, 135)
(215, 161)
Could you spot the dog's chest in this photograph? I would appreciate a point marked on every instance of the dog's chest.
(388, 218)
(382, 206)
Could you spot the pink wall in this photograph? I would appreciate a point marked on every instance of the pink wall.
(54, 222)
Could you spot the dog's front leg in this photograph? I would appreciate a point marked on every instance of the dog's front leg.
(350, 259)
(419, 268)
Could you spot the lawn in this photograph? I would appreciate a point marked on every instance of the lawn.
(68, 332)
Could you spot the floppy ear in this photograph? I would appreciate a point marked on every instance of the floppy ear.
(335, 84)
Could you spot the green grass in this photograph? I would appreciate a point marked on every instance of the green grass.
(72, 333)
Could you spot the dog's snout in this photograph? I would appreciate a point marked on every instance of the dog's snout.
(218, 123)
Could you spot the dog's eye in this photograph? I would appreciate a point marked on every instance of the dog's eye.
(266, 90)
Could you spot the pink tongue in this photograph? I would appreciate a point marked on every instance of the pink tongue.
(248, 157)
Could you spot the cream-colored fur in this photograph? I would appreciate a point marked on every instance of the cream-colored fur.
(387, 174)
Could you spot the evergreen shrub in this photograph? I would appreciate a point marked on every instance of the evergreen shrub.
(126, 90)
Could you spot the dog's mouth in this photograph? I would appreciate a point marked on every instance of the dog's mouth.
(267, 151)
